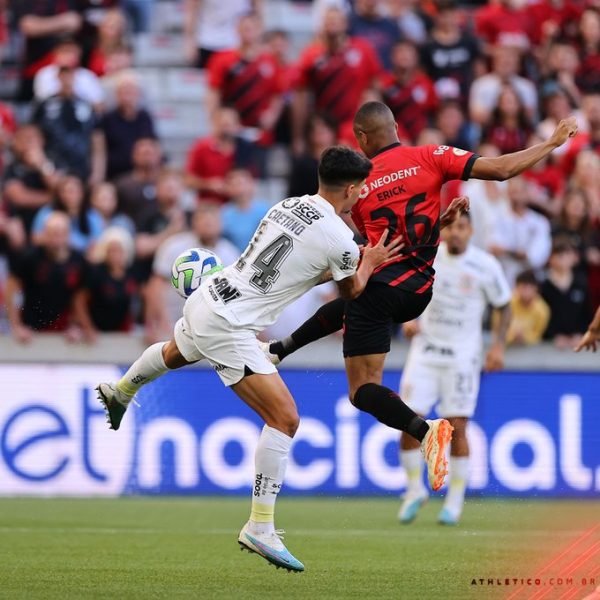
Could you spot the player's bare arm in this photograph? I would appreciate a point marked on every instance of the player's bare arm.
(410, 329)
(504, 167)
(372, 257)
(458, 206)
(590, 340)
(494, 360)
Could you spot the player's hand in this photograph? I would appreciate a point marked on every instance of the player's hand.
(410, 329)
(380, 253)
(588, 342)
(458, 206)
(566, 128)
(494, 360)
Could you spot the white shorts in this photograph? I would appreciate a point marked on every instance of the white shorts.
(232, 352)
(454, 385)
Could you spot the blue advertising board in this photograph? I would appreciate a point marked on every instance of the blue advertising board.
(533, 434)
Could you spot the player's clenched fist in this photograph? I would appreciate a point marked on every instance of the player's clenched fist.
(565, 129)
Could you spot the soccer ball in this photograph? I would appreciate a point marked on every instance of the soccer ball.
(190, 267)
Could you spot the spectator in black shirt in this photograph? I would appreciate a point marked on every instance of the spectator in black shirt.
(167, 220)
(30, 177)
(137, 189)
(321, 133)
(106, 301)
(125, 125)
(73, 140)
(47, 276)
(42, 23)
(451, 55)
(566, 295)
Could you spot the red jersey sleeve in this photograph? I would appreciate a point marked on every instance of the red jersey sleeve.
(216, 68)
(452, 163)
(194, 159)
(373, 65)
(305, 64)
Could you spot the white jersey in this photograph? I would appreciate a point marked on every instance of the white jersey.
(297, 241)
(464, 285)
(218, 21)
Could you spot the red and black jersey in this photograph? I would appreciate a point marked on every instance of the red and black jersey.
(339, 80)
(413, 103)
(248, 85)
(402, 194)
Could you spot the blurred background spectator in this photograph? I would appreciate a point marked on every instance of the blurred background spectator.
(566, 296)
(125, 124)
(71, 130)
(163, 304)
(85, 224)
(45, 279)
(243, 212)
(125, 139)
(530, 314)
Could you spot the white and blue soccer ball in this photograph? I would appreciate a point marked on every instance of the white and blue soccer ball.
(191, 267)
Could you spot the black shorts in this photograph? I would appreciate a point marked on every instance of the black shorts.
(369, 319)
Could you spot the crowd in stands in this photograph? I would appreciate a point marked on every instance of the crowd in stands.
(92, 214)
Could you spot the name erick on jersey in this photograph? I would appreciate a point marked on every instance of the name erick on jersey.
(402, 194)
(297, 241)
(465, 285)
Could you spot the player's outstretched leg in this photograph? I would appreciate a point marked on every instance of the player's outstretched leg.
(115, 397)
(416, 494)
(435, 435)
(270, 398)
(328, 319)
(459, 474)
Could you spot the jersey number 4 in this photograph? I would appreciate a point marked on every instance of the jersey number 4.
(268, 262)
(430, 233)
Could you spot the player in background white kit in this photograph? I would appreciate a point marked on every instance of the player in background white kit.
(444, 361)
(298, 242)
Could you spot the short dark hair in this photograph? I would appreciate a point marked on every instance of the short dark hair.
(340, 165)
(527, 278)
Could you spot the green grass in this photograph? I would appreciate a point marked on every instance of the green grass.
(352, 548)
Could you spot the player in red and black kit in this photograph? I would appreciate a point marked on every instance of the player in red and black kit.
(402, 195)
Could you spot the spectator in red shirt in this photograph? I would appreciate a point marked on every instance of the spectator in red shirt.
(335, 73)
(211, 158)
(408, 91)
(554, 19)
(588, 77)
(247, 78)
(505, 22)
(510, 126)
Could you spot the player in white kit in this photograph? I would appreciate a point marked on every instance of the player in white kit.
(444, 361)
(298, 242)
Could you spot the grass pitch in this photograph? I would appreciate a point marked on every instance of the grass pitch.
(133, 548)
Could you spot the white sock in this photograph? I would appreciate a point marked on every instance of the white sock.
(459, 477)
(270, 462)
(412, 461)
(145, 369)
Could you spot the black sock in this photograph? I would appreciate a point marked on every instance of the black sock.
(387, 407)
(328, 319)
